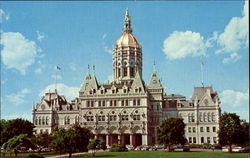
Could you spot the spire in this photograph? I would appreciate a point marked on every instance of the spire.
(127, 22)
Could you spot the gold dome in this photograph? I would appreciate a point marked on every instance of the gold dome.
(127, 40)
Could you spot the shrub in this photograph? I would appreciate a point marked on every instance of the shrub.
(195, 146)
(118, 148)
(34, 156)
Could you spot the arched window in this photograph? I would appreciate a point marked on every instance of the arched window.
(132, 72)
(68, 120)
(47, 120)
(213, 117)
(125, 71)
(204, 117)
(200, 117)
(43, 121)
(192, 117)
(40, 120)
(208, 117)
(189, 117)
(36, 121)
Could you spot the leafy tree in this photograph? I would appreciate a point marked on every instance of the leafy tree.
(72, 140)
(102, 145)
(42, 140)
(172, 132)
(245, 132)
(230, 130)
(15, 127)
(93, 145)
(15, 143)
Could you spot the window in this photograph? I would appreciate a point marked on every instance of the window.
(87, 103)
(125, 71)
(214, 129)
(202, 139)
(132, 72)
(192, 117)
(111, 103)
(43, 120)
(190, 139)
(200, 117)
(103, 103)
(122, 102)
(194, 130)
(124, 117)
(214, 140)
(119, 72)
(47, 120)
(138, 102)
(201, 129)
(136, 117)
(114, 102)
(208, 117)
(204, 117)
(92, 103)
(99, 103)
(208, 139)
(189, 129)
(213, 117)
(208, 129)
(134, 102)
(126, 102)
(194, 140)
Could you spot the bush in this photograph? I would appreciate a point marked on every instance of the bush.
(34, 156)
(118, 148)
(195, 146)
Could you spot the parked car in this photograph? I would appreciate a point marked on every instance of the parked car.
(236, 149)
(186, 148)
(130, 147)
(245, 149)
(160, 146)
(138, 148)
(152, 148)
(145, 147)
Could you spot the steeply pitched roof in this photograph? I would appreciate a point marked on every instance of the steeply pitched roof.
(199, 92)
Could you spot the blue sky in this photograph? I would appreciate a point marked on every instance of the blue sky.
(37, 36)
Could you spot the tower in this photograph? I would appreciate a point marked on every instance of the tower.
(127, 54)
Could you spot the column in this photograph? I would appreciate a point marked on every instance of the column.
(119, 138)
(107, 140)
(131, 139)
(144, 139)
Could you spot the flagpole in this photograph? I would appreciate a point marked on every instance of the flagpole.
(202, 81)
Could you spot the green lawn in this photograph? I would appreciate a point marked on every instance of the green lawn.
(153, 154)
(162, 154)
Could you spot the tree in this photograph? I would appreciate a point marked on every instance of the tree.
(245, 132)
(15, 127)
(72, 140)
(172, 132)
(93, 145)
(15, 143)
(102, 145)
(230, 130)
(42, 140)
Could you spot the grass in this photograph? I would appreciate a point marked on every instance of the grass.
(22, 155)
(162, 154)
(151, 154)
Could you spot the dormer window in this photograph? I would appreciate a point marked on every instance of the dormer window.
(124, 91)
(102, 91)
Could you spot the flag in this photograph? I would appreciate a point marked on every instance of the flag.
(58, 68)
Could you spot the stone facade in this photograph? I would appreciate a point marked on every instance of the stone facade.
(126, 110)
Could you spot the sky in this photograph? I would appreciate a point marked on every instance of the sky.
(38, 36)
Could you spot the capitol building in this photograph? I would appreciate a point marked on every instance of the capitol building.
(127, 110)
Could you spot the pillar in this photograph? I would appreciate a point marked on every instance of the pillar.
(107, 140)
(131, 139)
(119, 138)
(144, 139)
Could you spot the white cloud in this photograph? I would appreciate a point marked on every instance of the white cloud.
(19, 97)
(40, 36)
(182, 44)
(108, 50)
(18, 52)
(232, 58)
(62, 89)
(58, 77)
(236, 33)
(3, 16)
(38, 70)
(72, 66)
(104, 36)
(233, 98)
